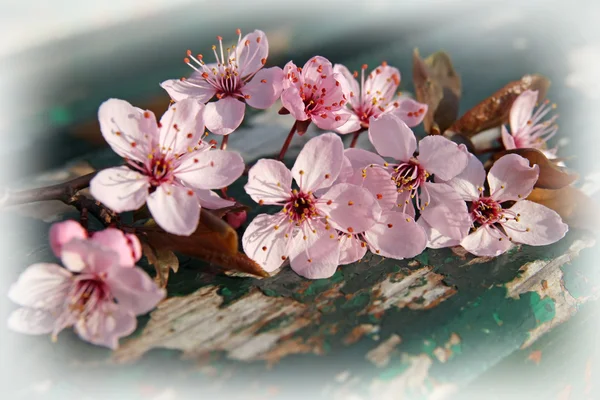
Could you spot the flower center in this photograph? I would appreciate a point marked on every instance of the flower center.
(409, 176)
(486, 211)
(160, 170)
(87, 294)
(300, 206)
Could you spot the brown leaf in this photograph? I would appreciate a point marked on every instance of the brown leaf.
(438, 85)
(163, 261)
(494, 110)
(213, 241)
(575, 207)
(551, 175)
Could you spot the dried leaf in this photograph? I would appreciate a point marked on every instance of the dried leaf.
(494, 110)
(551, 175)
(438, 85)
(575, 207)
(163, 261)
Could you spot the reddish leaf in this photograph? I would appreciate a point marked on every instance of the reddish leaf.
(575, 207)
(163, 260)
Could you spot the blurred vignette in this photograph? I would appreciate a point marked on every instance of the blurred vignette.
(59, 60)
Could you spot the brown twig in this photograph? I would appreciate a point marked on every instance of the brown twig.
(355, 137)
(287, 142)
(224, 142)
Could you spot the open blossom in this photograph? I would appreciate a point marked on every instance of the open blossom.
(96, 294)
(304, 230)
(396, 234)
(376, 96)
(314, 93)
(236, 79)
(168, 166)
(440, 206)
(503, 216)
(527, 127)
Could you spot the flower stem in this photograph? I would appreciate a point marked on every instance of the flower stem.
(355, 137)
(224, 142)
(287, 142)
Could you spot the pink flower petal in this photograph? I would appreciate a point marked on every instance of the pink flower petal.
(134, 290)
(42, 286)
(392, 138)
(352, 249)
(350, 85)
(88, 256)
(182, 126)
(405, 204)
(511, 178)
(507, 139)
(214, 169)
(122, 125)
(31, 321)
(265, 244)
(290, 99)
(447, 212)
(264, 88)
(379, 183)
(127, 246)
(269, 182)
(442, 157)
(396, 235)
(351, 125)
(351, 209)
(174, 209)
(315, 68)
(224, 116)
(319, 162)
(360, 158)
(485, 243)
(384, 81)
(408, 110)
(319, 259)
(435, 240)
(292, 77)
(468, 182)
(120, 189)
(194, 87)
(64, 232)
(106, 325)
(212, 201)
(545, 225)
(252, 53)
(331, 120)
(522, 109)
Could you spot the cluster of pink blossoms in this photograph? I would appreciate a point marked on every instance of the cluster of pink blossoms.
(335, 204)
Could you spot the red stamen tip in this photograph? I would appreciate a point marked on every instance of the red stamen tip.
(364, 66)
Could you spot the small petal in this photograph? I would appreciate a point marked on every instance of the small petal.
(32, 321)
(213, 169)
(106, 325)
(212, 201)
(468, 182)
(507, 139)
(511, 178)
(134, 290)
(350, 85)
(396, 235)
(265, 241)
(182, 126)
(384, 81)
(360, 158)
(447, 211)
(120, 189)
(269, 182)
(315, 68)
(442, 157)
(88, 256)
(352, 249)
(64, 232)
(127, 246)
(331, 120)
(194, 87)
(521, 110)
(435, 240)
(486, 243)
(408, 110)
(252, 53)
(42, 286)
(350, 126)
(320, 259)
(319, 162)
(291, 100)
(391, 137)
(379, 183)
(351, 209)
(264, 88)
(174, 209)
(538, 225)
(224, 116)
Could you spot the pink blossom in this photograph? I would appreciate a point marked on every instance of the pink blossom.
(236, 79)
(527, 128)
(304, 230)
(314, 93)
(169, 167)
(376, 96)
(95, 294)
(396, 234)
(503, 216)
(440, 206)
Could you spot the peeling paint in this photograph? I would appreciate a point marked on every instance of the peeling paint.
(380, 355)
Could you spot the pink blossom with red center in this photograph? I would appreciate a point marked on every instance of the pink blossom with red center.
(502, 216)
(314, 93)
(305, 229)
(169, 167)
(96, 293)
(528, 129)
(236, 79)
(439, 204)
(395, 234)
(376, 96)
